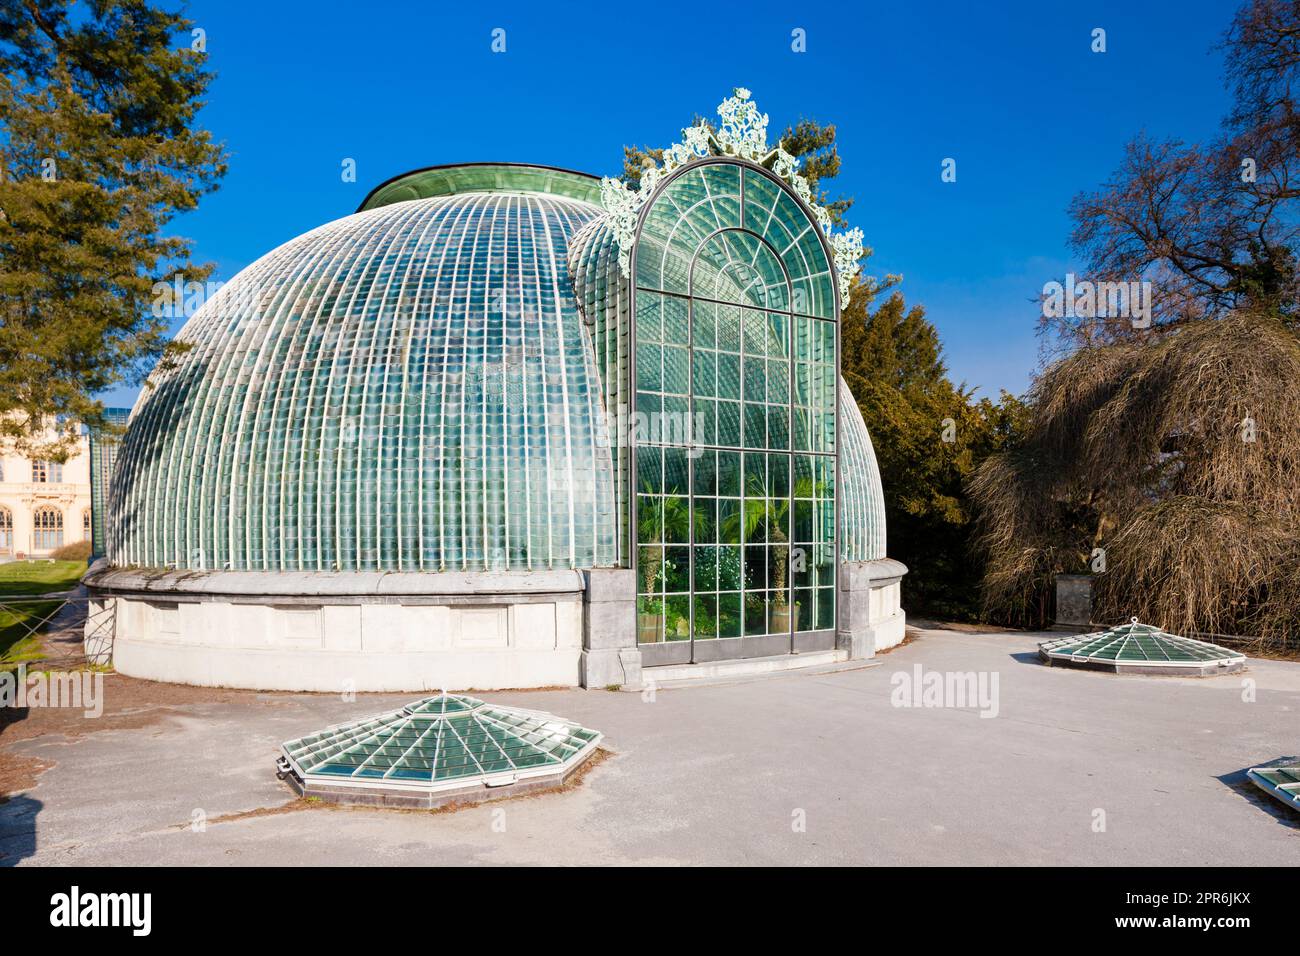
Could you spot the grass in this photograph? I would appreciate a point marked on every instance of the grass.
(39, 577)
(19, 579)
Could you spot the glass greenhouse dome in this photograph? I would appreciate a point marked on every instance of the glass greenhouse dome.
(461, 437)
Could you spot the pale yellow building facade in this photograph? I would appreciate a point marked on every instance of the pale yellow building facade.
(44, 505)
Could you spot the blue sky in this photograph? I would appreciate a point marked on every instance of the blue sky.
(1010, 90)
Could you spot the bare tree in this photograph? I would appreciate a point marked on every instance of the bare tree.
(1213, 227)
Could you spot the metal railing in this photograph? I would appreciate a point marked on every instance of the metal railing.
(74, 629)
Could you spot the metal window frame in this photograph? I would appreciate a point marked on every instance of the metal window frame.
(633, 545)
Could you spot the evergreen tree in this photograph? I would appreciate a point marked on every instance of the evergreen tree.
(929, 436)
(99, 149)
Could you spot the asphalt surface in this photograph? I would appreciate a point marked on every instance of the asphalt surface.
(1076, 769)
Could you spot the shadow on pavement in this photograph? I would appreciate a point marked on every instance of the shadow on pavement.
(1027, 657)
(1240, 783)
(18, 829)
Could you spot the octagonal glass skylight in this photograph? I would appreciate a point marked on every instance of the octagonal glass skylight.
(1141, 647)
(448, 743)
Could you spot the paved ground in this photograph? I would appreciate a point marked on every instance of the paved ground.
(721, 774)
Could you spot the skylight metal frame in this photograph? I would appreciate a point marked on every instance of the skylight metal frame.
(1280, 783)
(1091, 649)
(564, 736)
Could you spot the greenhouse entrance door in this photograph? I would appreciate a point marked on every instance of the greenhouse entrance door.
(739, 572)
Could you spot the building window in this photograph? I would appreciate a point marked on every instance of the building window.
(6, 531)
(47, 523)
(85, 525)
(47, 472)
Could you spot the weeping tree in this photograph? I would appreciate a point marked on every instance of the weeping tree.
(1171, 465)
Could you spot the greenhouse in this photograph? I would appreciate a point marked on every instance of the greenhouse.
(510, 426)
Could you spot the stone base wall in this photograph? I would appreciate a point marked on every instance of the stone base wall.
(346, 632)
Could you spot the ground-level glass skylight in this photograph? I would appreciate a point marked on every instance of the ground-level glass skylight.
(1141, 648)
(1280, 783)
(435, 750)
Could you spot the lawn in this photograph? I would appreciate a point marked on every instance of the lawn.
(20, 578)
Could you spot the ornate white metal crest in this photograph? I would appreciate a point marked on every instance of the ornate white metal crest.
(741, 132)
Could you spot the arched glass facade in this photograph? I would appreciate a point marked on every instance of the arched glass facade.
(736, 372)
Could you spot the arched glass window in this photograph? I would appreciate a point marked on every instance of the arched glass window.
(47, 525)
(85, 525)
(6, 531)
(735, 370)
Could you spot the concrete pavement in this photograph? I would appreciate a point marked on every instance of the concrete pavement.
(1077, 768)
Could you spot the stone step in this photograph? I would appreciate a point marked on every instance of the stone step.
(749, 668)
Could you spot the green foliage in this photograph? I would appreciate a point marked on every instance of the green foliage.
(77, 551)
(22, 578)
(99, 149)
(892, 362)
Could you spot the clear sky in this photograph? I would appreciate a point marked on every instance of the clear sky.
(1010, 90)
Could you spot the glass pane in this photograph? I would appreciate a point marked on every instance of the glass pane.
(755, 567)
(677, 617)
(676, 520)
(729, 520)
(706, 617)
(825, 608)
(650, 522)
(650, 569)
(706, 568)
(755, 613)
(703, 372)
(677, 569)
(676, 329)
(706, 477)
(729, 615)
(729, 569)
(705, 518)
(729, 424)
(729, 473)
(704, 329)
(650, 620)
(675, 476)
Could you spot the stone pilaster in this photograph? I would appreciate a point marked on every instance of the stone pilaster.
(610, 657)
(870, 618)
